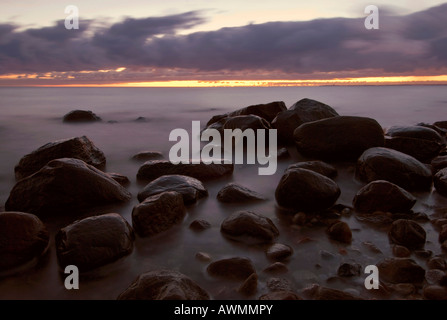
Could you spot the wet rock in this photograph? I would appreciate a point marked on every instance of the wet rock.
(340, 231)
(280, 295)
(401, 251)
(415, 132)
(94, 242)
(404, 289)
(158, 213)
(326, 255)
(276, 268)
(299, 219)
(121, 179)
(317, 292)
(305, 190)
(305, 110)
(385, 196)
(443, 233)
(249, 227)
(233, 193)
(371, 247)
(441, 124)
(401, 270)
(279, 252)
(318, 166)
(250, 285)
(422, 150)
(148, 155)
(282, 153)
(164, 285)
(437, 263)
(435, 292)
(203, 256)
(191, 189)
(246, 122)
(440, 182)
(349, 270)
(154, 169)
(231, 268)
(65, 186)
(340, 138)
(81, 148)
(200, 225)
(407, 233)
(395, 167)
(23, 237)
(438, 163)
(81, 116)
(279, 284)
(434, 276)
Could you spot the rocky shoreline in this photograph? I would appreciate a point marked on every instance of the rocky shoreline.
(393, 164)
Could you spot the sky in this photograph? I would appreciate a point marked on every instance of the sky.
(221, 43)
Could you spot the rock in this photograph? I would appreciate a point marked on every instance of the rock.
(191, 189)
(81, 116)
(438, 163)
(282, 153)
(23, 237)
(279, 252)
(158, 213)
(65, 186)
(246, 122)
(249, 227)
(318, 166)
(280, 295)
(231, 268)
(305, 190)
(381, 195)
(342, 138)
(435, 292)
(395, 167)
(401, 251)
(317, 292)
(434, 276)
(443, 233)
(279, 284)
(200, 225)
(437, 263)
(266, 111)
(121, 179)
(233, 193)
(148, 155)
(305, 110)
(203, 256)
(164, 285)
(154, 169)
(81, 148)
(440, 182)
(340, 231)
(299, 218)
(94, 242)
(415, 132)
(407, 233)
(441, 124)
(349, 270)
(276, 268)
(401, 270)
(250, 285)
(422, 150)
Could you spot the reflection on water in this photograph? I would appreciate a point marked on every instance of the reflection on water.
(32, 117)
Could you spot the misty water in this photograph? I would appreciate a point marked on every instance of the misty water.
(32, 117)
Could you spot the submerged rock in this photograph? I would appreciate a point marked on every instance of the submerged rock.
(94, 242)
(338, 138)
(233, 192)
(250, 227)
(81, 116)
(401, 270)
(191, 189)
(381, 195)
(23, 237)
(158, 213)
(394, 166)
(349, 270)
(407, 233)
(305, 190)
(81, 148)
(164, 285)
(65, 185)
(232, 268)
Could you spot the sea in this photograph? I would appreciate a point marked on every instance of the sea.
(141, 119)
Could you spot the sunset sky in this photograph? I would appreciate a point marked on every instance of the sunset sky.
(222, 43)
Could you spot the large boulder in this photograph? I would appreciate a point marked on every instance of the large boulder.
(154, 169)
(338, 138)
(416, 132)
(190, 188)
(65, 185)
(306, 190)
(79, 148)
(394, 166)
(316, 165)
(423, 150)
(158, 213)
(232, 268)
(381, 195)
(305, 110)
(234, 193)
(407, 233)
(164, 285)
(249, 227)
(81, 116)
(440, 182)
(94, 242)
(401, 270)
(23, 237)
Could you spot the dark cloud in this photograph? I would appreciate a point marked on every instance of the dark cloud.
(340, 45)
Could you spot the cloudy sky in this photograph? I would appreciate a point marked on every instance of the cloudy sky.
(206, 42)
